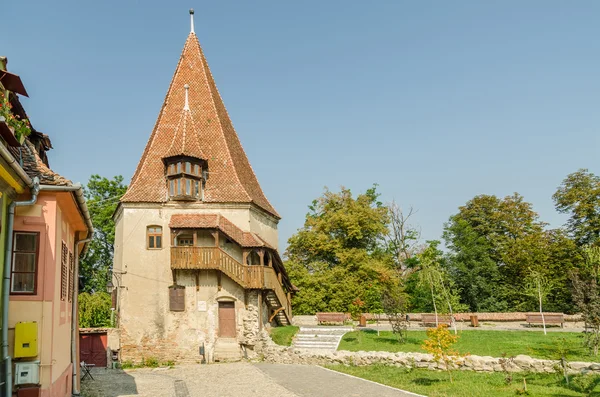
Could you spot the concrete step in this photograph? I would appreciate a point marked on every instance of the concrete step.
(323, 338)
(326, 329)
(304, 343)
(227, 350)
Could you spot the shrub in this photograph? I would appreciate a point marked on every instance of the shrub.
(439, 343)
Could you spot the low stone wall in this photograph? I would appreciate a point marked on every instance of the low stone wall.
(514, 316)
(521, 363)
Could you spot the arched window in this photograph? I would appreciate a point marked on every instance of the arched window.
(154, 237)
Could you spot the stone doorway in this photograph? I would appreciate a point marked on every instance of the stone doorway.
(227, 320)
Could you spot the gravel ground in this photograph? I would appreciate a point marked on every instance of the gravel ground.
(231, 380)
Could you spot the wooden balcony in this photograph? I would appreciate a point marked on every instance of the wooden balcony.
(249, 277)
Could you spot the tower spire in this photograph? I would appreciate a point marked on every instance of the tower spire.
(192, 20)
(187, 104)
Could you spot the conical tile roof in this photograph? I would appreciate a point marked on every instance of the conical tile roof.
(205, 131)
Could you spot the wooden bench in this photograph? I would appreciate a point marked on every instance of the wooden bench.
(430, 319)
(548, 319)
(331, 318)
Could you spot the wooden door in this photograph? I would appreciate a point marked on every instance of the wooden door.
(92, 349)
(227, 320)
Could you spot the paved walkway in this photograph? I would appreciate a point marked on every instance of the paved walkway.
(313, 381)
(232, 380)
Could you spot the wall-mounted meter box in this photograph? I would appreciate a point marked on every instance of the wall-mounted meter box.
(27, 373)
(26, 339)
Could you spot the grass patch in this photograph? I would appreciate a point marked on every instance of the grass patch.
(481, 343)
(466, 383)
(284, 335)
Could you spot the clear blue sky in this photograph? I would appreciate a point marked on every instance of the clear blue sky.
(436, 101)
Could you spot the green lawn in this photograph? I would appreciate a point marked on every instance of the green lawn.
(283, 335)
(467, 383)
(481, 343)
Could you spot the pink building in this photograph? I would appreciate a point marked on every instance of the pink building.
(51, 226)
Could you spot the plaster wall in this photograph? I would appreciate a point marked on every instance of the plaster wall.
(45, 307)
(148, 328)
(265, 226)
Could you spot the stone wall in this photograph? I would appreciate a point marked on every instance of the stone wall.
(521, 363)
(514, 316)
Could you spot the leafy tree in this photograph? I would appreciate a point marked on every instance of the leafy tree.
(395, 306)
(339, 254)
(102, 197)
(439, 343)
(579, 196)
(586, 294)
(472, 267)
(538, 286)
(94, 310)
(493, 242)
(433, 276)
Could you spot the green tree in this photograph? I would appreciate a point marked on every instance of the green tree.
(538, 286)
(433, 276)
(579, 197)
(94, 310)
(586, 294)
(339, 255)
(492, 243)
(102, 195)
(471, 266)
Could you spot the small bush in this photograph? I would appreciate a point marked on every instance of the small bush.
(127, 364)
(150, 362)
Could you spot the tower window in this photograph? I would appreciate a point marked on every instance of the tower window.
(184, 178)
(154, 237)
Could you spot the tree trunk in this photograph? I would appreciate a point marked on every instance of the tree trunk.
(434, 307)
(452, 318)
(541, 311)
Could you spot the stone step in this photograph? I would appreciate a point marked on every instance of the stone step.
(326, 329)
(320, 338)
(227, 350)
(320, 347)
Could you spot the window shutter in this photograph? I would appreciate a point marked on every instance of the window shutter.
(177, 298)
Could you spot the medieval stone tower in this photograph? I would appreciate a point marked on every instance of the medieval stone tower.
(196, 267)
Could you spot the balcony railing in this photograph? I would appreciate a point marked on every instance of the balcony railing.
(214, 258)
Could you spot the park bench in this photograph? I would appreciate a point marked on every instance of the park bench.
(331, 318)
(430, 319)
(548, 319)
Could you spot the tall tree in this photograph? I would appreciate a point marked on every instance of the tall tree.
(579, 197)
(493, 242)
(433, 276)
(102, 195)
(403, 240)
(339, 255)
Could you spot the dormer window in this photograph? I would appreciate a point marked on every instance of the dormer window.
(184, 178)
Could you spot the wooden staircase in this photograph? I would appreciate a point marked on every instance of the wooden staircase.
(263, 278)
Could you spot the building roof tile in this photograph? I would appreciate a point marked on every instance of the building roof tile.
(205, 131)
(217, 221)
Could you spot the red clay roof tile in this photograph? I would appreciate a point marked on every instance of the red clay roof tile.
(204, 132)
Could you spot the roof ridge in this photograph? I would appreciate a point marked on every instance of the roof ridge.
(142, 162)
(241, 146)
(209, 73)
